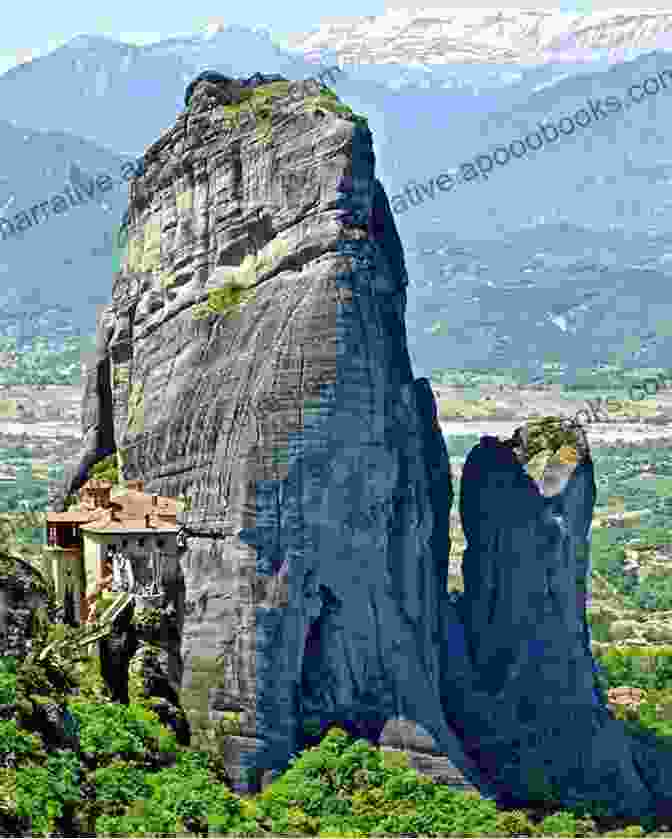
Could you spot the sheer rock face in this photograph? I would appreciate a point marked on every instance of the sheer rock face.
(317, 540)
(525, 572)
(23, 600)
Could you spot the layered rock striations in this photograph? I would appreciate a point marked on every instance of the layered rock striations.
(254, 360)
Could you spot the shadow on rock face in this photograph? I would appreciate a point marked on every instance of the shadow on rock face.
(116, 652)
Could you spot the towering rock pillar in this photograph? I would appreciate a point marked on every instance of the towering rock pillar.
(525, 570)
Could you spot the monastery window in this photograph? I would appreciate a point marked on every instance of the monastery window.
(160, 543)
(70, 537)
(124, 543)
(141, 542)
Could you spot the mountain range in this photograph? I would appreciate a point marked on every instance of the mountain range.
(562, 254)
(434, 36)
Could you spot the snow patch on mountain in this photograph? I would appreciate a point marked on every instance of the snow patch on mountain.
(443, 36)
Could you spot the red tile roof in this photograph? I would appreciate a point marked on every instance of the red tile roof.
(141, 502)
(126, 511)
(132, 518)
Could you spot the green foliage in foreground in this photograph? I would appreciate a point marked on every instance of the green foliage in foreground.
(339, 788)
(120, 729)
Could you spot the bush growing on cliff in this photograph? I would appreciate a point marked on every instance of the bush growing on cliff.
(16, 741)
(180, 798)
(106, 470)
(38, 795)
(222, 301)
(121, 729)
(7, 679)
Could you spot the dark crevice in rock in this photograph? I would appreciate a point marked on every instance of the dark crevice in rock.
(167, 474)
(198, 533)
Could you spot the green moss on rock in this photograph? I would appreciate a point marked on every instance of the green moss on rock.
(236, 284)
(136, 408)
(550, 434)
(259, 102)
(222, 301)
(230, 723)
(333, 105)
(206, 673)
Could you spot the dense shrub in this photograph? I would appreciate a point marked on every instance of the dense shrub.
(180, 798)
(7, 689)
(8, 664)
(641, 667)
(39, 794)
(7, 680)
(120, 729)
(16, 741)
(339, 788)
(342, 788)
(563, 824)
(121, 781)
